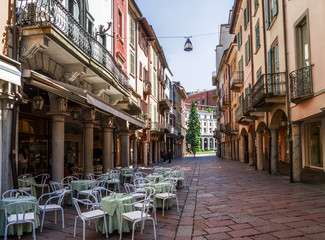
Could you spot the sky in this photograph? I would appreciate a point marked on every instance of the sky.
(180, 18)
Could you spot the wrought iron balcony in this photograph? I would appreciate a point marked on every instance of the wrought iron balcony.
(239, 112)
(237, 81)
(224, 103)
(269, 89)
(247, 106)
(45, 12)
(165, 104)
(301, 84)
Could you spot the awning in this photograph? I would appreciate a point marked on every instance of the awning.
(10, 73)
(78, 95)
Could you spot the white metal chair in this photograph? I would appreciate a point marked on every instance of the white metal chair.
(21, 215)
(182, 178)
(171, 194)
(150, 194)
(53, 203)
(28, 185)
(137, 216)
(44, 177)
(96, 211)
(67, 180)
(140, 175)
(14, 193)
(140, 183)
(88, 190)
(26, 175)
(100, 192)
(131, 189)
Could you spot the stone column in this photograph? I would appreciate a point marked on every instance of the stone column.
(135, 150)
(208, 144)
(274, 150)
(145, 153)
(58, 147)
(296, 152)
(250, 148)
(108, 148)
(259, 150)
(6, 117)
(202, 144)
(242, 148)
(125, 149)
(89, 147)
(155, 151)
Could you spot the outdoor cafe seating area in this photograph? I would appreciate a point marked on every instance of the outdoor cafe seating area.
(114, 200)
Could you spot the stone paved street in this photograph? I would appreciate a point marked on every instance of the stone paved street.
(226, 199)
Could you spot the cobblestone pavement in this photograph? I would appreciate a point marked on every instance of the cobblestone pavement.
(225, 200)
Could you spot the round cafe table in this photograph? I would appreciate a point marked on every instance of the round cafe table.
(112, 205)
(78, 185)
(161, 187)
(154, 177)
(28, 182)
(19, 228)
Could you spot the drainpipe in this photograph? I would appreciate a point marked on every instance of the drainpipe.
(229, 109)
(253, 76)
(289, 129)
(265, 65)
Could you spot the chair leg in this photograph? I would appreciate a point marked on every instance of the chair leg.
(55, 221)
(133, 230)
(154, 228)
(34, 235)
(163, 213)
(121, 227)
(177, 203)
(105, 225)
(62, 217)
(83, 229)
(154, 212)
(6, 230)
(75, 226)
(42, 221)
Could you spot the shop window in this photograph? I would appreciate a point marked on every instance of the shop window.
(314, 145)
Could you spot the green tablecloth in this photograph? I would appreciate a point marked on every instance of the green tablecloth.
(110, 176)
(153, 177)
(19, 228)
(112, 205)
(27, 182)
(161, 188)
(78, 186)
(126, 171)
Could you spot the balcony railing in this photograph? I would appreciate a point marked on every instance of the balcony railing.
(237, 81)
(268, 86)
(301, 84)
(165, 103)
(46, 12)
(239, 112)
(247, 106)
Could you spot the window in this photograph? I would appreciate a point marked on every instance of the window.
(205, 130)
(240, 65)
(132, 65)
(273, 67)
(74, 9)
(154, 60)
(256, 4)
(155, 84)
(257, 36)
(132, 31)
(245, 19)
(259, 73)
(120, 24)
(314, 145)
(271, 10)
(302, 44)
(205, 123)
(203, 101)
(239, 38)
(247, 51)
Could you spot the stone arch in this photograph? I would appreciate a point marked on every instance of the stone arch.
(276, 118)
(260, 127)
(243, 132)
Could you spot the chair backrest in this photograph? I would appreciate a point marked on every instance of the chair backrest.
(129, 188)
(43, 177)
(150, 192)
(115, 171)
(69, 179)
(87, 202)
(52, 198)
(26, 181)
(26, 175)
(21, 208)
(140, 174)
(90, 176)
(14, 193)
(139, 182)
(100, 192)
(56, 186)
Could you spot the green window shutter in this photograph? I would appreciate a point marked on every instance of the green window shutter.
(275, 7)
(245, 19)
(241, 64)
(257, 35)
(155, 114)
(276, 58)
(246, 53)
(267, 17)
(249, 47)
(132, 63)
(132, 40)
(256, 4)
(249, 88)
(238, 43)
(155, 85)
(248, 10)
(240, 35)
(269, 62)
(246, 91)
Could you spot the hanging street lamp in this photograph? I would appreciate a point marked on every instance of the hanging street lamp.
(188, 45)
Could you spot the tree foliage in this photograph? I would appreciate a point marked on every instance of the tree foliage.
(193, 129)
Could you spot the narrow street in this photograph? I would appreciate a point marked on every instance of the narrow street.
(226, 200)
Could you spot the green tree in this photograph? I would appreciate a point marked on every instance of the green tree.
(193, 129)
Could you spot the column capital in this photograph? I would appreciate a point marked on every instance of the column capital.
(107, 122)
(273, 129)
